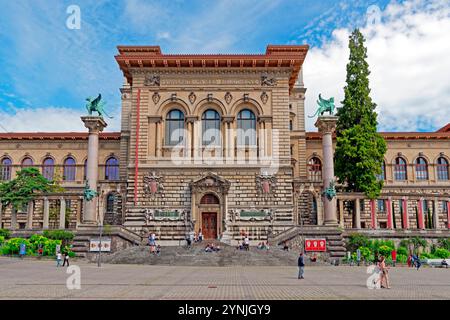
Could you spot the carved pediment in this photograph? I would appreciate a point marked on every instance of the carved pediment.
(210, 181)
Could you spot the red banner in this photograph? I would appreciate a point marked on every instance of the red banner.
(315, 245)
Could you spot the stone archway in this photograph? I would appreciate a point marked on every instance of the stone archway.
(209, 203)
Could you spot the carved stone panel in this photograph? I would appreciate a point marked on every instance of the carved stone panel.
(192, 97)
(156, 97)
(153, 184)
(228, 97)
(152, 80)
(264, 97)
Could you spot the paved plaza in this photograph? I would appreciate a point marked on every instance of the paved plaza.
(32, 279)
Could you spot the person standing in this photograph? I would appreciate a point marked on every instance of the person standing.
(66, 259)
(384, 273)
(358, 256)
(301, 266)
(394, 257)
(58, 259)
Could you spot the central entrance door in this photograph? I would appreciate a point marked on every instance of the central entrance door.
(209, 225)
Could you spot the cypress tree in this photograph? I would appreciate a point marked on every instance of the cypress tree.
(359, 148)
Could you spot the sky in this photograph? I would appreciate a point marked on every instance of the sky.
(48, 69)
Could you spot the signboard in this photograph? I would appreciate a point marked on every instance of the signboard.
(95, 243)
(315, 245)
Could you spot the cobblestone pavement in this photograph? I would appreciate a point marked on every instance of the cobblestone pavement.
(32, 279)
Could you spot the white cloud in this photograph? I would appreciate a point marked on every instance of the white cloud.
(53, 119)
(408, 55)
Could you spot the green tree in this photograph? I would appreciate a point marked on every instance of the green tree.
(359, 148)
(28, 184)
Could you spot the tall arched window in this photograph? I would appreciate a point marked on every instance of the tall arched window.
(5, 169)
(382, 175)
(174, 127)
(48, 168)
(246, 125)
(27, 162)
(211, 128)
(110, 203)
(85, 170)
(69, 169)
(421, 169)
(400, 169)
(442, 168)
(315, 169)
(112, 169)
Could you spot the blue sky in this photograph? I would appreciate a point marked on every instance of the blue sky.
(48, 70)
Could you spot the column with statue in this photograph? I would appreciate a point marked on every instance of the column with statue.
(95, 124)
(327, 125)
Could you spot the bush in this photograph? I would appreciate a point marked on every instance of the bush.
(441, 253)
(402, 251)
(385, 251)
(357, 240)
(402, 258)
(5, 233)
(444, 243)
(2, 239)
(12, 246)
(59, 235)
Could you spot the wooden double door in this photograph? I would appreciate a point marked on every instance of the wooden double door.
(209, 225)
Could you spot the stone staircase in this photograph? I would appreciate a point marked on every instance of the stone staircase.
(196, 256)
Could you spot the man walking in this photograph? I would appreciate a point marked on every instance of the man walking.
(301, 266)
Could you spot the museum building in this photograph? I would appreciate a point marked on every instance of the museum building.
(217, 143)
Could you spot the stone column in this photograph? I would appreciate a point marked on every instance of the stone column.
(62, 213)
(435, 213)
(341, 213)
(405, 213)
(13, 218)
(448, 214)
(389, 213)
(357, 223)
(420, 213)
(326, 126)
(1, 215)
(30, 210)
(95, 126)
(46, 213)
(159, 139)
(373, 214)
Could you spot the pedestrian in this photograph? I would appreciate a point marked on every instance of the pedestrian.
(394, 257)
(384, 273)
(246, 243)
(301, 266)
(285, 246)
(417, 261)
(200, 235)
(409, 261)
(58, 259)
(66, 259)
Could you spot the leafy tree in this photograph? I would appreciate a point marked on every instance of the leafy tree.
(359, 148)
(28, 184)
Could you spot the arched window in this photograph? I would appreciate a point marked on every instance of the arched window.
(400, 169)
(112, 169)
(421, 169)
(69, 169)
(209, 199)
(211, 128)
(174, 127)
(442, 168)
(27, 162)
(48, 168)
(315, 169)
(110, 203)
(246, 125)
(382, 175)
(5, 169)
(85, 170)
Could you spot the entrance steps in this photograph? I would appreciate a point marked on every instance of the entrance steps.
(196, 256)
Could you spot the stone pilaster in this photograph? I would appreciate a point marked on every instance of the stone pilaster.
(1, 215)
(357, 223)
(62, 213)
(46, 213)
(326, 126)
(95, 126)
(30, 211)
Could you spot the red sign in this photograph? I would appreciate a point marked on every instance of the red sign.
(315, 245)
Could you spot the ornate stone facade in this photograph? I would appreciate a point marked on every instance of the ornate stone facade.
(228, 183)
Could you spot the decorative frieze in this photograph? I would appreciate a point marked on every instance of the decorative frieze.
(152, 80)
